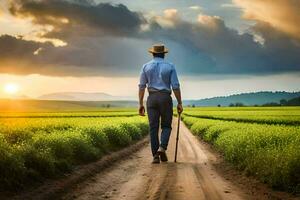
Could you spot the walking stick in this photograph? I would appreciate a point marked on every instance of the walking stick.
(177, 137)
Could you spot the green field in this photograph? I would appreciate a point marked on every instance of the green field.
(262, 115)
(15, 105)
(264, 142)
(38, 145)
(34, 144)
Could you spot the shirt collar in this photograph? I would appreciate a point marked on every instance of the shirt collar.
(158, 59)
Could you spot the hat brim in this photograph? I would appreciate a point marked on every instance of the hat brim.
(151, 50)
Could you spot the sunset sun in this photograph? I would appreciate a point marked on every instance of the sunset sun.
(11, 88)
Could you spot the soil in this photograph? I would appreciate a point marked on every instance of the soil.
(200, 173)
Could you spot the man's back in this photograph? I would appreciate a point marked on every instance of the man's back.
(159, 75)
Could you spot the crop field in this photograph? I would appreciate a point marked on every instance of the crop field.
(101, 113)
(263, 115)
(264, 142)
(34, 146)
(261, 141)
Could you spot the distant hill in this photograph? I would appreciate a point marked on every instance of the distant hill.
(73, 101)
(255, 98)
(82, 96)
(15, 105)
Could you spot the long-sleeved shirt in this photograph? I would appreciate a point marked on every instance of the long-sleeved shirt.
(160, 75)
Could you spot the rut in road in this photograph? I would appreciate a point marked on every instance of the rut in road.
(192, 177)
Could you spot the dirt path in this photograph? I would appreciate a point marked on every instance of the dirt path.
(193, 177)
(200, 173)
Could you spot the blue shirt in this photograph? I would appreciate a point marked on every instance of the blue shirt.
(159, 74)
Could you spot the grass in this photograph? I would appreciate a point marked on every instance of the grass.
(269, 152)
(262, 115)
(32, 149)
(98, 113)
(15, 105)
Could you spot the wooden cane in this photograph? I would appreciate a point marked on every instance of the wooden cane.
(177, 137)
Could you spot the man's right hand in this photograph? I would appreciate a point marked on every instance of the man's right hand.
(142, 111)
(179, 108)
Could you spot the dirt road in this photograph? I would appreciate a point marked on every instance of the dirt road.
(193, 177)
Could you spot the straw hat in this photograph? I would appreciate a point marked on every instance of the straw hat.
(158, 48)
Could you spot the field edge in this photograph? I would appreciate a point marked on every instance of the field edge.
(53, 189)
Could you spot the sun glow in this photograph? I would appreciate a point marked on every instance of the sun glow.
(11, 88)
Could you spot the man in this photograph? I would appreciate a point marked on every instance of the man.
(159, 76)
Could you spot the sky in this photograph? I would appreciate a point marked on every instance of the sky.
(219, 47)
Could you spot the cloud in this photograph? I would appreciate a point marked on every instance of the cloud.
(210, 47)
(36, 52)
(280, 51)
(207, 21)
(111, 40)
(229, 5)
(195, 8)
(17, 55)
(82, 17)
(283, 15)
(167, 20)
(78, 37)
(81, 58)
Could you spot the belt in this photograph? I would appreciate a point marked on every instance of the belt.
(151, 91)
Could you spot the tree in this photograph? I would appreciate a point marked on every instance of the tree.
(239, 104)
(294, 102)
(271, 104)
(283, 102)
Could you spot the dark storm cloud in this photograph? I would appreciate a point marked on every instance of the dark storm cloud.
(19, 56)
(105, 39)
(79, 59)
(11, 46)
(214, 48)
(280, 50)
(79, 17)
(98, 36)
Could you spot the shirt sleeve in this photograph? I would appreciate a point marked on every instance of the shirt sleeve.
(143, 79)
(174, 79)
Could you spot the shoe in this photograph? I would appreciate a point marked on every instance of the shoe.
(156, 159)
(162, 153)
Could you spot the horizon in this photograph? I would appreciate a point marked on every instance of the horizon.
(124, 98)
(219, 48)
